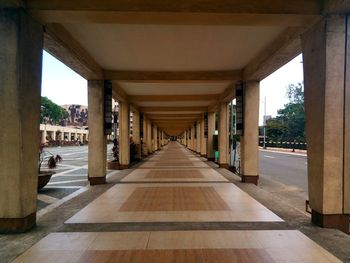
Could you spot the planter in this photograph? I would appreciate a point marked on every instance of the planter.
(44, 178)
(113, 165)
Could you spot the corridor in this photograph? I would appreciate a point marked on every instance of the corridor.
(173, 199)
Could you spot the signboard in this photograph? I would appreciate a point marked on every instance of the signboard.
(108, 116)
(239, 109)
(206, 125)
(141, 125)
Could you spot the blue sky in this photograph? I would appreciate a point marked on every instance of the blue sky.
(63, 86)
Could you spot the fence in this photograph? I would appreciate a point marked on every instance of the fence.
(288, 145)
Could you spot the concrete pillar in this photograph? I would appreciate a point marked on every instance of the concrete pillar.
(203, 139)
(136, 132)
(192, 139)
(223, 135)
(327, 105)
(249, 141)
(70, 136)
(198, 142)
(149, 137)
(211, 130)
(61, 136)
(155, 140)
(124, 135)
(145, 137)
(53, 135)
(98, 141)
(20, 80)
(43, 136)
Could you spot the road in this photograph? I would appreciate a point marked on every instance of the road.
(286, 168)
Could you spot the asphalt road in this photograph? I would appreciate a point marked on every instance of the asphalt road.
(286, 168)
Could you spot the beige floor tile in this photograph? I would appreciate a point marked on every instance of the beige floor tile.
(47, 256)
(120, 241)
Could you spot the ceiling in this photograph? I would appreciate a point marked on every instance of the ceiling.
(172, 59)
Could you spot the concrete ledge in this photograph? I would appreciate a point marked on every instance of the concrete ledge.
(97, 180)
(337, 221)
(250, 179)
(17, 225)
(224, 165)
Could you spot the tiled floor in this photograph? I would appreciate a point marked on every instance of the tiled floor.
(178, 246)
(173, 186)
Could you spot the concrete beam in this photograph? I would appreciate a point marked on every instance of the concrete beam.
(286, 47)
(59, 43)
(168, 109)
(173, 76)
(199, 97)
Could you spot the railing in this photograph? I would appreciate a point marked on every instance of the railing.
(283, 144)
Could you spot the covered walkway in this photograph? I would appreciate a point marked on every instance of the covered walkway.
(175, 190)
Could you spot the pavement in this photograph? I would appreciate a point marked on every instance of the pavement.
(277, 196)
(70, 178)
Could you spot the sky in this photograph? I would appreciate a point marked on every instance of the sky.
(63, 86)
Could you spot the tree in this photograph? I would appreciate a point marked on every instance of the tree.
(289, 125)
(51, 112)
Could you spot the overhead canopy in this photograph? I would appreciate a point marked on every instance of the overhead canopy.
(175, 60)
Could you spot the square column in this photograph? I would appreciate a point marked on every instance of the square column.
(20, 80)
(98, 141)
(124, 135)
(192, 139)
(145, 137)
(198, 139)
(136, 132)
(43, 136)
(327, 106)
(211, 130)
(223, 135)
(203, 139)
(149, 137)
(250, 139)
(155, 138)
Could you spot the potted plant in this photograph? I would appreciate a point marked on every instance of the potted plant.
(114, 164)
(50, 161)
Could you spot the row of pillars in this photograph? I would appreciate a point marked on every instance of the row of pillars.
(152, 138)
(61, 136)
(325, 49)
(200, 140)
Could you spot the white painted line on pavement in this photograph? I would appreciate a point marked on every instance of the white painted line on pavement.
(63, 187)
(69, 181)
(49, 208)
(268, 156)
(47, 199)
(68, 154)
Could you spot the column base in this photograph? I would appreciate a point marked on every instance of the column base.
(204, 155)
(250, 179)
(224, 165)
(211, 159)
(124, 166)
(17, 225)
(97, 180)
(337, 221)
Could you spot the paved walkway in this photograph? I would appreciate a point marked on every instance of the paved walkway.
(175, 187)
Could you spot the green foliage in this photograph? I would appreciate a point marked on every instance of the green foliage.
(51, 112)
(289, 125)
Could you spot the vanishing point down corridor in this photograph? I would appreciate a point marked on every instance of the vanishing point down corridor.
(175, 207)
